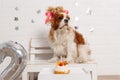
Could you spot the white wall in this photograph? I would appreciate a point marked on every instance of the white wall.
(104, 22)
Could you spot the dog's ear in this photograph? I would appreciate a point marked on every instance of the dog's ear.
(79, 38)
(59, 9)
(51, 9)
(55, 21)
(51, 34)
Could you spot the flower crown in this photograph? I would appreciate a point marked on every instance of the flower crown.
(51, 14)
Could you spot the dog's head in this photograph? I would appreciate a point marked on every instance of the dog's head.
(58, 17)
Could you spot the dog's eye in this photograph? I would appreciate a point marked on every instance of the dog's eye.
(60, 18)
(68, 17)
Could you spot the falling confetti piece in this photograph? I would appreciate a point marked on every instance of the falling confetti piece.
(89, 11)
(32, 21)
(76, 27)
(16, 8)
(16, 28)
(16, 19)
(91, 29)
(38, 11)
(76, 4)
(76, 18)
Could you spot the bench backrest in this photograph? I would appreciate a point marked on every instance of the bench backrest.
(39, 49)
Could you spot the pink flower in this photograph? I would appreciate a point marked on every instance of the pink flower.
(51, 14)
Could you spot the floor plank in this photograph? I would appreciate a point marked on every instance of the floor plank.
(115, 77)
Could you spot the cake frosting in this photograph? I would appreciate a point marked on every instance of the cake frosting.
(62, 68)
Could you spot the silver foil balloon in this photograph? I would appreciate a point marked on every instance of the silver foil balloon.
(17, 53)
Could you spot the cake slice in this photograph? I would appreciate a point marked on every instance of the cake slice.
(62, 68)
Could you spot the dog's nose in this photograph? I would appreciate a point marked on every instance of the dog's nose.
(65, 20)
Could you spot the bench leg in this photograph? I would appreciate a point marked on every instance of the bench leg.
(25, 76)
(32, 57)
(93, 75)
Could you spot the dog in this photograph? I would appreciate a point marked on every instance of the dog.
(63, 39)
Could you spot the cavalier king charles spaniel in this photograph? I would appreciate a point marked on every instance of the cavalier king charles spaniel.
(64, 40)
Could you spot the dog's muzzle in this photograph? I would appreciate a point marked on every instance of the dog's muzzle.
(66, 21)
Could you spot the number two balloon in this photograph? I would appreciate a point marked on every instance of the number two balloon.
(17, 53)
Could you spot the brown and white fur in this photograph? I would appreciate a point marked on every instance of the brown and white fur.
(64, 40)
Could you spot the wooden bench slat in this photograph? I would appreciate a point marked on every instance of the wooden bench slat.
(40, 51)
(39, 43)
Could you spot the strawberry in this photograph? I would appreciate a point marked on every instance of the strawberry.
(65, 62)
(60, 63)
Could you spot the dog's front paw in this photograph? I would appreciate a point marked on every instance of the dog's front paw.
(69, 60)
(81, 60)
(78, 60)
(53, 60)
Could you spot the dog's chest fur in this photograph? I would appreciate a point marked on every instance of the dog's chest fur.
(63, 37)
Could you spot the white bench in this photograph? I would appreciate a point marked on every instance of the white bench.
(43, 68)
